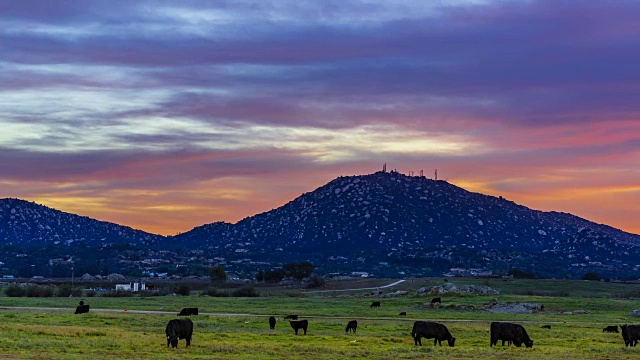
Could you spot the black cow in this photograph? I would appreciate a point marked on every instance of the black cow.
(272, 322)
(546, 326)
(630, 334)
(510, 333)
(611, 329)
(375, 304)
(81, 309)
(352, 325)
(431, 330)
(404, 313)
(188, 312)
(179, 329)
(436, 300)
(299, 324)
(291, 317)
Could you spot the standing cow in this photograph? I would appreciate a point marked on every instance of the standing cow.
(272, 322)
(352, 325)
(431, 330)
(299, 324)
(179, 329)
(511, 333)
(630, 334)
(375, 304)
(611, 328)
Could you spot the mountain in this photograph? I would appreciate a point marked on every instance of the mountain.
(394, 224)
(384, 223)
(25, 224)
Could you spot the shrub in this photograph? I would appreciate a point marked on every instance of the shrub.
(90, 293)
(63, 290)
(591, 276)
(315, 281)
(38, 291)
(182, 289)
(211, 291)
(15, 290)
(245, 291)
(76, 292)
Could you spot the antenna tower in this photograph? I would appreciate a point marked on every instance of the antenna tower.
(436, 174)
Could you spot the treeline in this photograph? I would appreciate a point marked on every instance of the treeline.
(296, 271)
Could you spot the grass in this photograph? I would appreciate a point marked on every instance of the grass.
(59, 334)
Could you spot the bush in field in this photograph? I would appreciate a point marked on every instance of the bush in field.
(149, 293)
(245, 291)
(63, 290)
(519, 274)
(591, 276)
(76, 292)
(211, 291)
(15, 291)
(90, 293)
(315, 281)
(182, 289)
(298, 271)
(273, 276)
(38, 291)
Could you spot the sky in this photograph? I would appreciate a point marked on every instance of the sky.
(166, 115)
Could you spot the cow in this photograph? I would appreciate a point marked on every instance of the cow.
(436, 300)
(404, 313)
(375, 304)
(272, 322)
(509, 332)
(299, 324)
(611, 329)
(82, 308)
(431, 330)
(188, 312)
(630, 334)
(291, 317)
(545, 327)
(351, 325)
(179, 329)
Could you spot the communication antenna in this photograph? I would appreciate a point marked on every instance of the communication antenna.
(436, 174)
(384, 167)
(422, 173)
(410, 173)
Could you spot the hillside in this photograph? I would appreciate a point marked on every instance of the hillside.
(393, 224)
(384, 223)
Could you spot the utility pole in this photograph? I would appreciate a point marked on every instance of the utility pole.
(436, 174)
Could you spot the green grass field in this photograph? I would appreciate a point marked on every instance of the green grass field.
(54, 332)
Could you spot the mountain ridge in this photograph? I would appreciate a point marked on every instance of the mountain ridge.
(385, 223)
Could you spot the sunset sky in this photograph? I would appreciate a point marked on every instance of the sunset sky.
(166, 115)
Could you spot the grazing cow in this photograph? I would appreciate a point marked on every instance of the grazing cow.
(546, 326)
(272, 322)
(179, 329)
(188, 312)
(352, 325)
(299, 324)
(431, 330)
(291, 317)
(611, 329)
(82, 308)
(630, 334)
(510, 333)
(404, 313)
(436, 300)
(375, 304)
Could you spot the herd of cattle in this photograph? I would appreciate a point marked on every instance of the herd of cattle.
(510, 333)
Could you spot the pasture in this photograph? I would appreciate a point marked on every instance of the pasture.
(237, 328)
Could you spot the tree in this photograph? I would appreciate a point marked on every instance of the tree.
(298, 271)
(217, 274)
(260, 276)
(591, 276)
